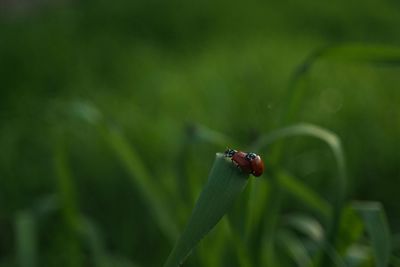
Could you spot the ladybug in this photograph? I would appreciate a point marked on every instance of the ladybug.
(256, 163)
(239, 159)
(247, 162)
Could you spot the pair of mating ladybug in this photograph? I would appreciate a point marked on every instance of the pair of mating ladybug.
(247, 162)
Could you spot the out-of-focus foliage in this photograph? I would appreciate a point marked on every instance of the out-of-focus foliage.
(111, 114)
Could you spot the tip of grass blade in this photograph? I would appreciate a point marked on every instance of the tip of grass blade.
(225, 183)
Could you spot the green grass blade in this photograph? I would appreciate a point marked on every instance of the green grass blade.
(94, 242)
(312, 229)
(334, 143)
(350, 230)
(295, 248)
(304, 194)
(358, 255)
(240, 248)
(328, 137)
(364, 53)
(333, 256)
(214, 244)
(258, 197)
(376, 225)
(194, 134)
(306, 225)
(68, 198)
(297, 86)
(130, 159)
(317, 132)
(208, 135)
(225, 241)
(68, 205)
(26, 240)
(372, 53)
(271, 221)
(142, 180)
(225, 183)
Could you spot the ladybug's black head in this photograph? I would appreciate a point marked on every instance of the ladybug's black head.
(229, 152)
(251, 156)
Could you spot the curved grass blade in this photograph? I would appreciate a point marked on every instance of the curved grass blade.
(377, 228)
(306, 225)
(139, 174)
(358, 255)
(224, 184)
(328, 137)
(335, 145)
(296, 89)
(376, 54)
(295, 248)
(311, 228)
(317, 132)
(141, 178)
(373, 54)
(298, 84)
(303, 193)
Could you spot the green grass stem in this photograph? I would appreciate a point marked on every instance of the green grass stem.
(224, 184)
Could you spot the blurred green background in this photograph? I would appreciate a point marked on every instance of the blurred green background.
(83, 82)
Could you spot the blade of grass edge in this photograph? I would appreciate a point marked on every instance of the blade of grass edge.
(224, 184)
(193, 134)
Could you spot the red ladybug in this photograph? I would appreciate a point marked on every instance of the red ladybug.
(239, 159)
(247, 162)
(256, 163)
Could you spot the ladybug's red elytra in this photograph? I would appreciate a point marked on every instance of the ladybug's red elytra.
(247, 162)
(256, 163)
(239, 159)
